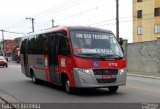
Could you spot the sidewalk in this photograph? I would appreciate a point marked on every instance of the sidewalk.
(6, 98)
(1, 101)
(144, 74)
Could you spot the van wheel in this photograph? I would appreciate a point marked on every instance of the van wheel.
(34, 79)
(68, 88)
(113, 89)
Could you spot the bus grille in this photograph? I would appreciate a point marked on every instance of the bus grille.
(100, 72)
(105, 72)
(106, 81)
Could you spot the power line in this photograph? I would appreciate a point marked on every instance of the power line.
(127, 21)
(102, 21)
(59, 6)
(61, 9)
(142, 19)
(96, 24)
(73, 15)
(3, 36)
(53, 8)
(105, 24)
(13, 32)
(82, 12)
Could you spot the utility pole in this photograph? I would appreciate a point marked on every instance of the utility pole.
(32, 19)
(2, 39)
(117, 19)
(52, 23)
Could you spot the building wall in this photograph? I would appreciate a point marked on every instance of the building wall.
(143, 57)
(9, 44)
(147, 22)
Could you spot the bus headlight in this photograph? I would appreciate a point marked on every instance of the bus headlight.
(87, 71)
(122, 71)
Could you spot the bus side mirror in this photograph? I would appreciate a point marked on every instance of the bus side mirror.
(120, 41)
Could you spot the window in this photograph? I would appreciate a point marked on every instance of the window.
(36, 44)
(139, 14)
(39, 44)
(89, 42)
(22, 49)
(139, 0)
(139, 30)
(157, 28)
(64, 47)
(156, 11)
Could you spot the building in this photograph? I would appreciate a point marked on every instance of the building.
(146, 20)
(8, 47)
(16, 49)
(17, 41)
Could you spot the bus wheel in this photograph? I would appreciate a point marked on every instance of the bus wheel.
(113, 89)
(35, 81)
(68, 88)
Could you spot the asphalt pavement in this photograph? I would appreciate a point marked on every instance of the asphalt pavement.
(20, 88)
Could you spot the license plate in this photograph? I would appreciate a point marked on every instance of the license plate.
(107, 77)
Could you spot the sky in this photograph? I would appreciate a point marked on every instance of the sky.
(93, 13)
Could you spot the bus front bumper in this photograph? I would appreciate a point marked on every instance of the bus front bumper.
(87, 79)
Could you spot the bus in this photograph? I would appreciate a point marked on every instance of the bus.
(74, 57)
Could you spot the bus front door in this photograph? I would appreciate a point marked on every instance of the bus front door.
(25, 57)
(53, 59)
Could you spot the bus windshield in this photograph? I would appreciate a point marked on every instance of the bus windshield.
(98, 44)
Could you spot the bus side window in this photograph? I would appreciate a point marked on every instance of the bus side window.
(64, 47)
(45, 46)
(22, 47)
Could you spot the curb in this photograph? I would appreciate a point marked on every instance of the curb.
(143, 76)
(7, 98)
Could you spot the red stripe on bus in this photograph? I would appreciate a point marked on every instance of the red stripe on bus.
(47, 74)
(48, 78)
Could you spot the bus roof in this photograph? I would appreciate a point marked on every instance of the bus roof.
(70, 28)
(83, 28)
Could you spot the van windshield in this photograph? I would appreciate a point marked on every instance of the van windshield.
(95, 44)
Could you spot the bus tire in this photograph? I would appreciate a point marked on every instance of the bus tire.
(68, 88)
(34, 79)
(113, 89)
(66, 84)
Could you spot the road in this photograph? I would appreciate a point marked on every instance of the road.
(137, 90)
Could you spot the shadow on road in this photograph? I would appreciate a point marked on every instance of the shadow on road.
(80, 91)
(94, 92)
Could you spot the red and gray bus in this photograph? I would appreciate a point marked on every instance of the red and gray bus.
(74, 57)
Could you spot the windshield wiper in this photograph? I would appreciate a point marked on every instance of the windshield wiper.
(92, 54)
(114, 56)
